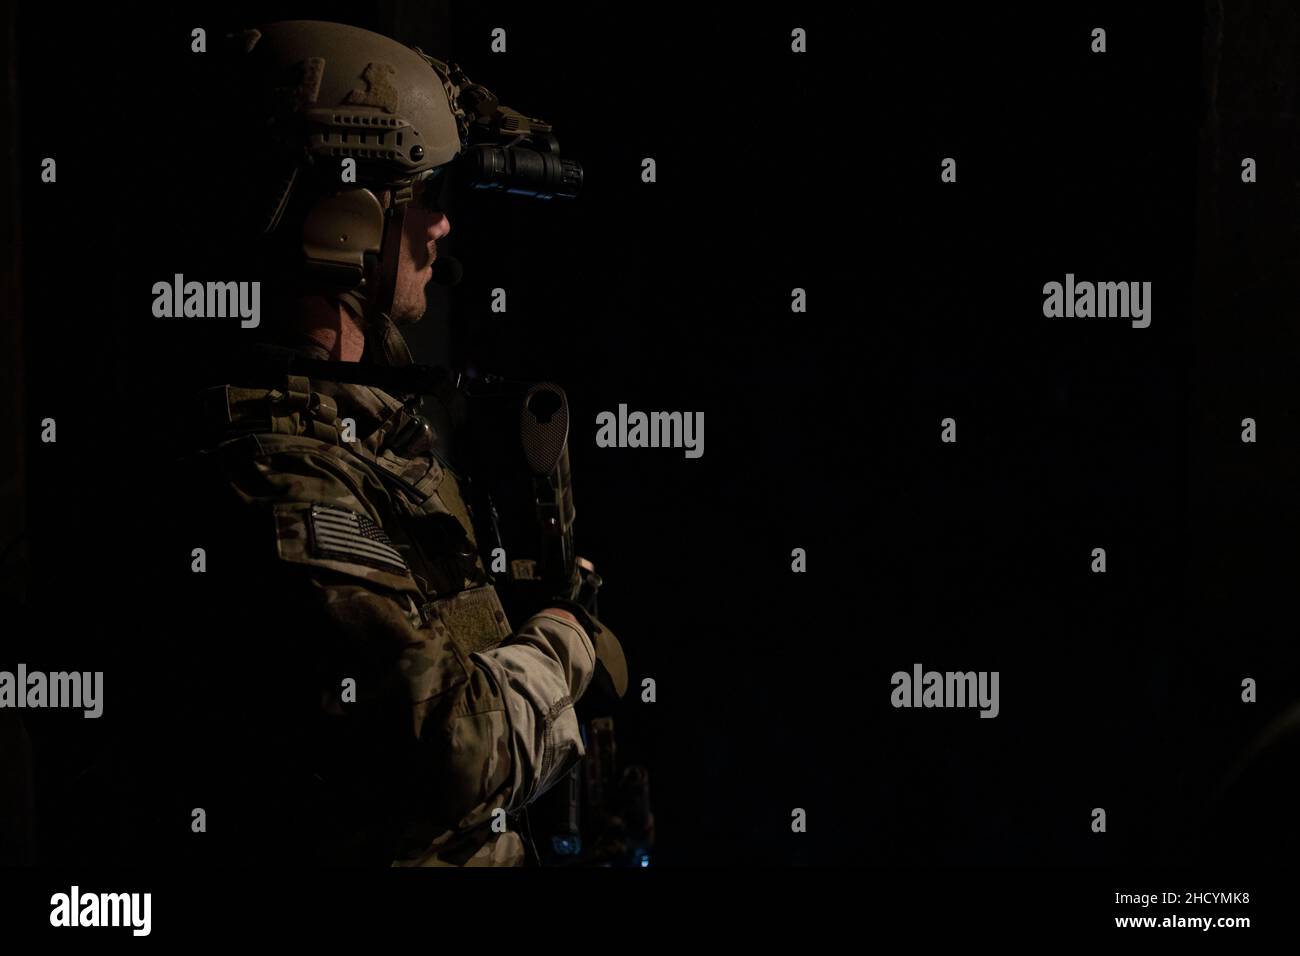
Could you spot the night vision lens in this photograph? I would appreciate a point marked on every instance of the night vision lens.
(521, 171)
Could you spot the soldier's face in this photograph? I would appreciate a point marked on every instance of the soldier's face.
(415, 260)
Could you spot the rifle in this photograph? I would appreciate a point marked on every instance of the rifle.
(595, 815)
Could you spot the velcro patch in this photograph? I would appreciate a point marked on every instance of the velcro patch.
(474, 618)
(347, 536)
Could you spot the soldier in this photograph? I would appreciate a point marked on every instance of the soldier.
(355, 690)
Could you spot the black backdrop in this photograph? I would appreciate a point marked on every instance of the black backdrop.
(778, 171)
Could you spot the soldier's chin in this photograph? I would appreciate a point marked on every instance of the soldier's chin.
(409, 314)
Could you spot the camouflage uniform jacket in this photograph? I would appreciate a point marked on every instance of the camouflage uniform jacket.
(412, 653)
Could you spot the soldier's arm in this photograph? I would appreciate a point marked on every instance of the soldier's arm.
(490, 730)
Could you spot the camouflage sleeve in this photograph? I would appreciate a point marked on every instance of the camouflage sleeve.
(491, 730)
(538, 674)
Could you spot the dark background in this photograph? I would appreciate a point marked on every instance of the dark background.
(777, 171)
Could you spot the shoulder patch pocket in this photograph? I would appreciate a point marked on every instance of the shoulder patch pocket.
(331, 537)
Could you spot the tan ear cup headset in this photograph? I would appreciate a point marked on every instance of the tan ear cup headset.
(339, 233)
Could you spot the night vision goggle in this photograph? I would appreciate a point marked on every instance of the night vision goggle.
(501, 149)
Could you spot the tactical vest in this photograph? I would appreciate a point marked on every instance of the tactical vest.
(415, 537)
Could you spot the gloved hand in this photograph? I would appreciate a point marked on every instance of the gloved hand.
(609, 683)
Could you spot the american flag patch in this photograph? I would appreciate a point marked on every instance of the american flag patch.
(348, 536)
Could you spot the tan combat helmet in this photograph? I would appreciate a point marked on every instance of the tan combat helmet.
(327, 93)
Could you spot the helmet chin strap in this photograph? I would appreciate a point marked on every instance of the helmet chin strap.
(385, 344)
